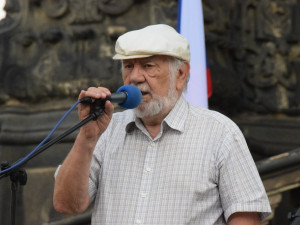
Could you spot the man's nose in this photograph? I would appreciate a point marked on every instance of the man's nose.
(137, 74)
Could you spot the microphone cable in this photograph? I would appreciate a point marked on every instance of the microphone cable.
(129, 100)
(20, 162)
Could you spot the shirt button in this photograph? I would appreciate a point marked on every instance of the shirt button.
(152, 144)
(143, 195)
(148, 169)
(138, 221)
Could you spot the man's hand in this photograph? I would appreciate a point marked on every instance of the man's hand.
(94, 129)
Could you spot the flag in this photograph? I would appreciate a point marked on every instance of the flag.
(191, 26)
(208, 80)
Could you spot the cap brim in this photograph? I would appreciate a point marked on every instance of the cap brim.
(121, 57)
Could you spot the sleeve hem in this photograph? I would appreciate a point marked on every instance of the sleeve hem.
(263, 211)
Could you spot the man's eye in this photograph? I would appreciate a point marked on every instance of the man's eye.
(128, 66)
(149, 65)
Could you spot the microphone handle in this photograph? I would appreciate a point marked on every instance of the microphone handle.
(118, 97)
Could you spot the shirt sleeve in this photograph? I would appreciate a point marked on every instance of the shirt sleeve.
(56, 171)
(240, 186)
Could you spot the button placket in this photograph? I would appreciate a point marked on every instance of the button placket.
(146, 182)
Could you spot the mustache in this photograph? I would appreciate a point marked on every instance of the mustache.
(143, 87)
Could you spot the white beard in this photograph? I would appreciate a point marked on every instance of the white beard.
(158, 103)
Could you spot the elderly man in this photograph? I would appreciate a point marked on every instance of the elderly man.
(165, 162)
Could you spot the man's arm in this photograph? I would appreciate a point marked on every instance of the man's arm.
(72, 181)
(244, 218)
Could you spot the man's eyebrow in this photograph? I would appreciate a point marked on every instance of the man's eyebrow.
(128, 61)
(148, 59)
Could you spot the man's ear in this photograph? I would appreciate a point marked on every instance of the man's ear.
(182, 75)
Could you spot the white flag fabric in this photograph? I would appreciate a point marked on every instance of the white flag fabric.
(191, 26)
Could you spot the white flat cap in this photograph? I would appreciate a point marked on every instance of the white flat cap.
(152, 40)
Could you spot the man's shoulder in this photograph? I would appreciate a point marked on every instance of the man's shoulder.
(200, 112)
(210, 116)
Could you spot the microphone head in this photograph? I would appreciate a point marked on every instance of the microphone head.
(134, 96)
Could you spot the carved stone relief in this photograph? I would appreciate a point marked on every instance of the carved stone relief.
(255, 49)
(54, 49)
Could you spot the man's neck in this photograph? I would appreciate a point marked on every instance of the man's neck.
(153, 123)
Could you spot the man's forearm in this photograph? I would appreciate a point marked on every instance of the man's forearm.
(71, 185)
(244, 218)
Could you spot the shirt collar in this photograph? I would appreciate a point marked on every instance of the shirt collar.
(175, 119)
(130, 123)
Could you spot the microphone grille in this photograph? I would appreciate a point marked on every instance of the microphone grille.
(134, 96)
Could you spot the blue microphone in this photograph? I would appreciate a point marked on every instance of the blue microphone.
(133, 96)
(127, 96)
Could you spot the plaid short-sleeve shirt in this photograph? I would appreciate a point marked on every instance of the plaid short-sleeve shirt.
(198, 170)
